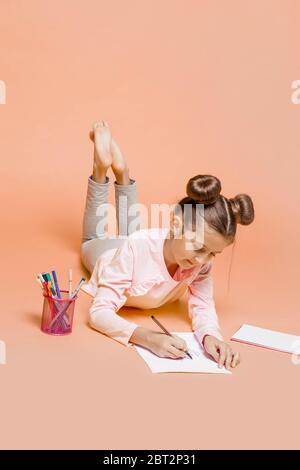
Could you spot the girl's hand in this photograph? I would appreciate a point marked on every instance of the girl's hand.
(166, 346)
(221, 352)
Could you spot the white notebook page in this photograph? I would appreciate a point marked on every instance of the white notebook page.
(267, 338)
(201, 362)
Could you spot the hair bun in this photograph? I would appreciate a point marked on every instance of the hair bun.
(204, 189)
(243, 208)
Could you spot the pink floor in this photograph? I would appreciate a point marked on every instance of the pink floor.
(87, 391)
(200, 90)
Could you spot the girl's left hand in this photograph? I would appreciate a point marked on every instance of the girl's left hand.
(221, 352)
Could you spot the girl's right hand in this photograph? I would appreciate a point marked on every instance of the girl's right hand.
(167, 346)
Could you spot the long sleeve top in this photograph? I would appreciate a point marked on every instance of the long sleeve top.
(135, 275)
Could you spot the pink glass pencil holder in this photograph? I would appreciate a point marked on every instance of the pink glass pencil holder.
(57, 318)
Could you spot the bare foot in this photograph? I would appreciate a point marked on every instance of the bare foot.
(101, 137)
(119, 165)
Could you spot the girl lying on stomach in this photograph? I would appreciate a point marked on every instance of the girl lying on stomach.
(147, 268)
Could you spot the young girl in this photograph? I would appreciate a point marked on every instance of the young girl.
(146, 268)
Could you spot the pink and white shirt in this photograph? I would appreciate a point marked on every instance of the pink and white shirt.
(135, 275)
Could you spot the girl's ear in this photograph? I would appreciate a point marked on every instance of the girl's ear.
(175, 225)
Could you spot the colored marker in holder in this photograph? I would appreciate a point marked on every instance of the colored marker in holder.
(57, 318)
(58, 307)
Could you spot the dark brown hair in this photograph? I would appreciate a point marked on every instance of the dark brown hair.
(221, 213)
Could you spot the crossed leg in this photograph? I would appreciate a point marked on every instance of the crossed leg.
(95, 239)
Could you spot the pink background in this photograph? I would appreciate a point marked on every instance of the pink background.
(188, 87)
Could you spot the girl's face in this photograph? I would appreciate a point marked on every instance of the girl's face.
(188, 251)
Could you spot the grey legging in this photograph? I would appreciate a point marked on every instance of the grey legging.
(95, 239)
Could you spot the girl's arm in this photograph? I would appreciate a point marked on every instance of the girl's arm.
(201, 306)
(103, 317)
(205, 322)
(113, 281)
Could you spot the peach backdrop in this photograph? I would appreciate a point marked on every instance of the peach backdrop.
(188, 87)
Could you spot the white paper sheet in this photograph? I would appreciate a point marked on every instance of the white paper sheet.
(201, 361)
(266, 338)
